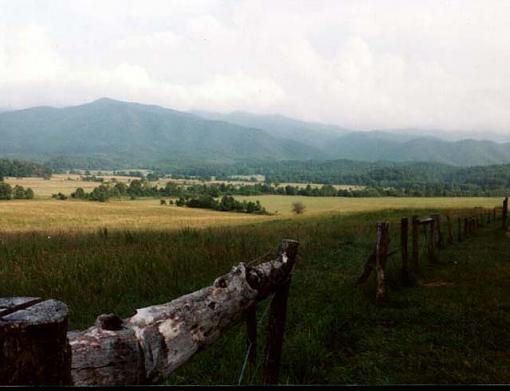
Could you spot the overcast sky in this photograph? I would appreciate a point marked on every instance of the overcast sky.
(358, 64)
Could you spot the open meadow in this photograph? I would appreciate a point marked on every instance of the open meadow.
(147, 214)
(451, 328)
(450, 332)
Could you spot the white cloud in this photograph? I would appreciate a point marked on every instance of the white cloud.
(362, 64)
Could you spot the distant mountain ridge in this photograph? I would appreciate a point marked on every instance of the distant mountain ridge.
(341, 143)
(123, 134)
(139, 133)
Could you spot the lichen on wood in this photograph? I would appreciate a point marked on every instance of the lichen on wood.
(149, 346)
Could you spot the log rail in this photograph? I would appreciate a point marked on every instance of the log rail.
(147, 347)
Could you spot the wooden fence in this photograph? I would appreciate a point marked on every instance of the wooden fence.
(147, 347)
(435, 240)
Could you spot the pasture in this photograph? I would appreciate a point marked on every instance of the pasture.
(147, 214)
(455, 333)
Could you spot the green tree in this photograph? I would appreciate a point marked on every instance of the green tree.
(5, 191)
(18, 192)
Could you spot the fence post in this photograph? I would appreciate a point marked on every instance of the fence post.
(504, 214)
(381, 256)
(276, 323)
(251, 331)
(416, 245)
(439, 235)
(459, 227)
(432, 242)
(404, 236)
(450, 229)
(494, 214)
(33, 336)
(466, 227)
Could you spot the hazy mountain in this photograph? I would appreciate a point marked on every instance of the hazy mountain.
(138, 133)
(396, 145)
(374, 146)
(310, 133)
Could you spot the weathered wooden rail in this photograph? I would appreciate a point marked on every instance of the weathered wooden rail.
(434, 240)
(147, 347)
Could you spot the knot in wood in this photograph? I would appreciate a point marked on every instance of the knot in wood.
(253, 278)
(220, 283)
(109, 322)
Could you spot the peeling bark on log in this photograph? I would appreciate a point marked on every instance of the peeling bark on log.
(34, 343)
(150, 345)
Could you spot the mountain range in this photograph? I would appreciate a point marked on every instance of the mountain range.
(124, 134)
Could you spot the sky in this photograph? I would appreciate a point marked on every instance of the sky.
(363, 65)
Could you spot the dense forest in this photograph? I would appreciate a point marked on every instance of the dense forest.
(377, 179)
(18, 168)
(396, 178)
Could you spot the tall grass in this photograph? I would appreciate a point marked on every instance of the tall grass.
(334, 334)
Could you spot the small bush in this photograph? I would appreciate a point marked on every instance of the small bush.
(298, 207)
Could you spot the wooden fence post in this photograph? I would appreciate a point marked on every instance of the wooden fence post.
(466, 227)
(432, 242)
(416, 245)
(459, 228)
(381, 256)
(276, 323)
(251, 331)
(33, 338)
(504, 214)
(404, 236)
(450, 229)
(439, 234)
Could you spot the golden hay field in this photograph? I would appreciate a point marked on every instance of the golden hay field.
(70, 215)
(68, 183)
(46, 214)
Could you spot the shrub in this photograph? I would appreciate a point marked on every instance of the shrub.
(298, 207)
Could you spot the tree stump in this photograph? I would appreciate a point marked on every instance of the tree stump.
(33, 336)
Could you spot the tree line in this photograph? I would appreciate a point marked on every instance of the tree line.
(19, 169)
(7, 192)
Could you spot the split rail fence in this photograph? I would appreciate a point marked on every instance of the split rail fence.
(434, 238)
(37, 348)
(146, 348)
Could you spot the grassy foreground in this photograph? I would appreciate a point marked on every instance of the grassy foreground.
(444, 333)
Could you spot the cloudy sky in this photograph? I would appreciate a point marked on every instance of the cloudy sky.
(359, 64)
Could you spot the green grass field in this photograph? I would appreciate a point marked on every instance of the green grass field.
(456, 333)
